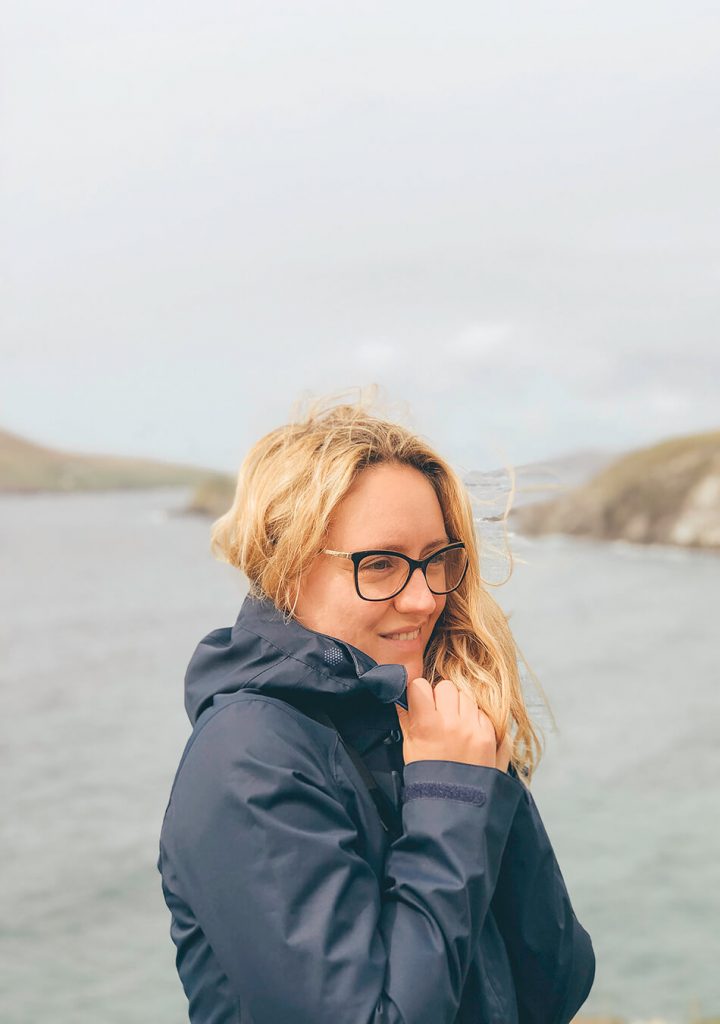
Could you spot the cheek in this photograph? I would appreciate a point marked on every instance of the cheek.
(322, 602)
(358, 622)
(344, 615)
(372, 621)
(361, 616)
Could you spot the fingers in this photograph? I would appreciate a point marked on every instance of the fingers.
(426, 701)
(420, 696)
(445, 723)
(466, 703)
(420, 701)
(447, 699)
(504, 753)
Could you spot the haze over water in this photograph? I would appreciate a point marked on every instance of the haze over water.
(105, 598)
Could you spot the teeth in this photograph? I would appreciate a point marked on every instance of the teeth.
(403, 636)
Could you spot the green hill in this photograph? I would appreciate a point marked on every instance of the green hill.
(26, 467)
(668, 493)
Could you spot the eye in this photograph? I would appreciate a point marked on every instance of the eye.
(376, 565)
(381, 565)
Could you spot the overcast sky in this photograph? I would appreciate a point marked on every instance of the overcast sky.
(504, 213)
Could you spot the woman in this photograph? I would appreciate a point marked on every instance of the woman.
(350, 838)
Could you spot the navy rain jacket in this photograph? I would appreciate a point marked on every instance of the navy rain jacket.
(291, 903)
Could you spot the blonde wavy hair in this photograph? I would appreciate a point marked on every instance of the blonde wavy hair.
(288, 488)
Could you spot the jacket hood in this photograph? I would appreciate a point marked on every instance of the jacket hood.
(262, 653)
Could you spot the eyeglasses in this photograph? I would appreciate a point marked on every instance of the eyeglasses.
(380, 575)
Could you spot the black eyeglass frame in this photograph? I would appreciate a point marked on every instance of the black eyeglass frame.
(413, 564)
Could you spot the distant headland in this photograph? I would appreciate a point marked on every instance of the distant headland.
(668, 493)
(26, 468)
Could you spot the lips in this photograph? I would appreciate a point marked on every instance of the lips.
(405, 634)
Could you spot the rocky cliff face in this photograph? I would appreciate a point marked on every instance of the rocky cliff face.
(666, 494)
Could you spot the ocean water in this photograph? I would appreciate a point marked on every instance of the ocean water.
(102, 602)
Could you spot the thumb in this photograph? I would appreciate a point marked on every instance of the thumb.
(402, 716)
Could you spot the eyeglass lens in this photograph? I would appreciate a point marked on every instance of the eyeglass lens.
(381, 576)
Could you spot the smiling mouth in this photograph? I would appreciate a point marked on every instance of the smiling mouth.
(411, 635)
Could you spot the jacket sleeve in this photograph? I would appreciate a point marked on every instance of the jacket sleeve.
(551, 955)
(270, 861)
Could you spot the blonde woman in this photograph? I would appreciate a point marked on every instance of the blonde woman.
(350, 837)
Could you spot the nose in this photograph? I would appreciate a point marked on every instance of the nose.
(416, 595)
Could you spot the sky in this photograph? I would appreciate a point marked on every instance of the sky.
(504, 215)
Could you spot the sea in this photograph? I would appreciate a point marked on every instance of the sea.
(103, 598)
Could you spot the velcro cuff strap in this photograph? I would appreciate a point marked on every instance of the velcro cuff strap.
(445, 790)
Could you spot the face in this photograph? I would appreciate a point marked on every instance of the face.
(390, 507)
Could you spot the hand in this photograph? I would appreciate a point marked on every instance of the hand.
(445, 724)
(504, 753)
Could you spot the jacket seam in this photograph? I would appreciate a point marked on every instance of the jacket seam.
(332, 758)
(342, 787)
(283, 706)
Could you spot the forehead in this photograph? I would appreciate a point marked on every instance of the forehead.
(389, 506)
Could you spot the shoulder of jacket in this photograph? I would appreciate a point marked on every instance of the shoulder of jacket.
(248, 724)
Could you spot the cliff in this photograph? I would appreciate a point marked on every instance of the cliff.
(668, 493)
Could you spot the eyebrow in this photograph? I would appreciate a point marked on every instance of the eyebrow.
(394, 546)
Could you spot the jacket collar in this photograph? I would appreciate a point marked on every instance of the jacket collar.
(262, 653)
